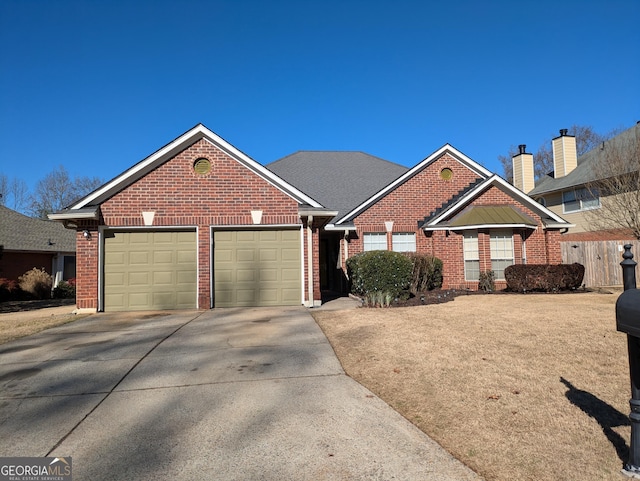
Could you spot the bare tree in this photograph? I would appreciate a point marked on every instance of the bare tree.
(14, 193)
(58, 190)
(617, 184)
(586, 140)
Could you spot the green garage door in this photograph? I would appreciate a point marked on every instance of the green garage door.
(257, 268)
(150, 270)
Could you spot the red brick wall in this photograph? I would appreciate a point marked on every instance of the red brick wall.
(409, 203)
(180, 197)
(15, 264)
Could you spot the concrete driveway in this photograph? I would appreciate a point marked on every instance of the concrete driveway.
(230, 394)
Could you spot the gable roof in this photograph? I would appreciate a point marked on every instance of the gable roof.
(445, 219)
(88, 205)
(585, 171)
(339, 180)
(22, 233)
(445, 149)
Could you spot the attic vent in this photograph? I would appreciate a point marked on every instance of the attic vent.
(202, 166)
(446, 173)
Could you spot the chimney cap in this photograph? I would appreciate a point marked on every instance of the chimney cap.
(522, 148)
(564, 132)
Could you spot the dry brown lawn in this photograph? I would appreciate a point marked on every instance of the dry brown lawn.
(518, 387)
(14, 326)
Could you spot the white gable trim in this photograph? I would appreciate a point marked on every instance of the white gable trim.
(447, 148)
(168, 151)
(517, 193)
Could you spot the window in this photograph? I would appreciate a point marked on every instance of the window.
(501, 242)
(578, 200)
(375, 242)
(471, 256)
(404, 241)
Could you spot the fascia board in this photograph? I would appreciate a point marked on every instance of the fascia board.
(493, 180)
(179, 144)
(349, 227)
(447, 148)
(482, 226)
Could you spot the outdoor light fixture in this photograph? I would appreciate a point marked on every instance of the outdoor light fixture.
(86, 234)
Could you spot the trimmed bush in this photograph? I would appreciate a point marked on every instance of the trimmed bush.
(37, 283)
(544, 277)
(380, 276)
(487, 281)
(426, 274)
(65, 290)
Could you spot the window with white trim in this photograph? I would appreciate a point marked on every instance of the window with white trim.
(404, 241)
(501, 242)
(375, 241)
(471, 256)
(577, 200)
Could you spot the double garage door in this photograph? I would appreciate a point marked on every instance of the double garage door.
(151, 270)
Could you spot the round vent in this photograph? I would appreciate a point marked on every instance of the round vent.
(446, 173)
(202, 166)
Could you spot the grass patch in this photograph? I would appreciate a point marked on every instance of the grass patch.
(528, 387)
(12, 328)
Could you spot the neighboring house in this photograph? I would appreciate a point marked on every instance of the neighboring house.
(27, 243)
(198, 224)
(567, 192)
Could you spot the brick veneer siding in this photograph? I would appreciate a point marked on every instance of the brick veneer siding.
(181, 198)
(409, 203)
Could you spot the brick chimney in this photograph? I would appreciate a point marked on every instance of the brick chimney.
(523, 177)
(565, 157)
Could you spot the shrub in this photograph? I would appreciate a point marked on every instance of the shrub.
(487, 281)
(9, 289)
(426, 273)
(65, 290)
(380, 276)
(37, 283)
(544, 277)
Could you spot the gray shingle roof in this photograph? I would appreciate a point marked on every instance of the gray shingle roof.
(338, 180)
(584, 172)
(21, 233)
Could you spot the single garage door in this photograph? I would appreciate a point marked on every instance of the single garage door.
(150, 270)
(257, 268)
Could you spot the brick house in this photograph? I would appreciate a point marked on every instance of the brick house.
(26, 243)
(198, 224)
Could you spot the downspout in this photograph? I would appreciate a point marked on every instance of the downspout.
(310, 260)
(346, 252)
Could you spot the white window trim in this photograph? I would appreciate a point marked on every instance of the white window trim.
(466, 254)
(504, 234)
(401, 236)
(376, 235)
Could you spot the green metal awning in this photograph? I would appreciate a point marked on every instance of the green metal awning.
(492, 216)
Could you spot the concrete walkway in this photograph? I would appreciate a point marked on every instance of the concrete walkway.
(229, 394)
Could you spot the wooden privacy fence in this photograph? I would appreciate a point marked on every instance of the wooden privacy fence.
(601, 260)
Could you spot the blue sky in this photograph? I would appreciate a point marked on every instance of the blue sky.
(97, 86)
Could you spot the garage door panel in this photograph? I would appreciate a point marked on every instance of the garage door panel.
(138, 279)
(245, 255)
(257, 267)
(163, 257)
(146, 270)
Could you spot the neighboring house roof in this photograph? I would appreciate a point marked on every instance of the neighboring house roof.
(457, 215)
(338, 180)
(445, 149)
(87, 207)
(585, 171)
(22, 233)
